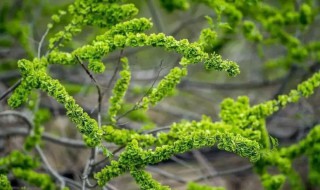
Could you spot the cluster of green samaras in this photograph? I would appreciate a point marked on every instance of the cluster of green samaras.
(242, 128)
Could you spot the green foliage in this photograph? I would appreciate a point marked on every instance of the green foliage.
(208, 39)
(4, 182)
(196, 186)
(136, 157)
(119, 90)
(172, 5)
(22, 166)
(273, 182)
(17, 159)
(242, 128)
(145, 180)
(124, 136)
(165, 87)
(39, 180)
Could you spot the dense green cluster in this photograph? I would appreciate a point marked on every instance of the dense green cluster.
(165, 87)
(216, 63)
(4, 182)
(124, 136)
(16, 161)
(242, 129)
(272, 182)
(35, 76)
(145, 180)
(34, 138)
(171, 5)
(239, 113)
(34, 178)
(196, 186)
(136, 157)
(266, 24)
(119, 90)
(192, 52)
(90, 13)
(121, 35)
(309, 147)
(208, 39)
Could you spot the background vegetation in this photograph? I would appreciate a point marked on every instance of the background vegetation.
(141, 110)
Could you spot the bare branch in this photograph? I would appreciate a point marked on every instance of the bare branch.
(11, 89)
(19, 131)
(202, 160)
(166, 174)
(114, 75)
(155, 15)
(41, 41)
(137, 105)
(50, 169)
(90, 163)
(225, 172)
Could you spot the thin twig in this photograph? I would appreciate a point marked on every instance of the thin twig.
(285, 81)
(225, 172)
(185, 23)
(11, 89)
(111, 187)
(153, 131)
(107, 158)
(90, 164)
(9, 75)
(20, 115)
(202, 160)
(113, 75)
(43, 158)
(108, 91)
(155, 15)
(56, 44)
(137, 105)
(41, 41)
(50, 169)
(182, 162)
(19, 131)
(166, 174)
(71, 182)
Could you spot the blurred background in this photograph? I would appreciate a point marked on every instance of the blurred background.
(23, 23)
